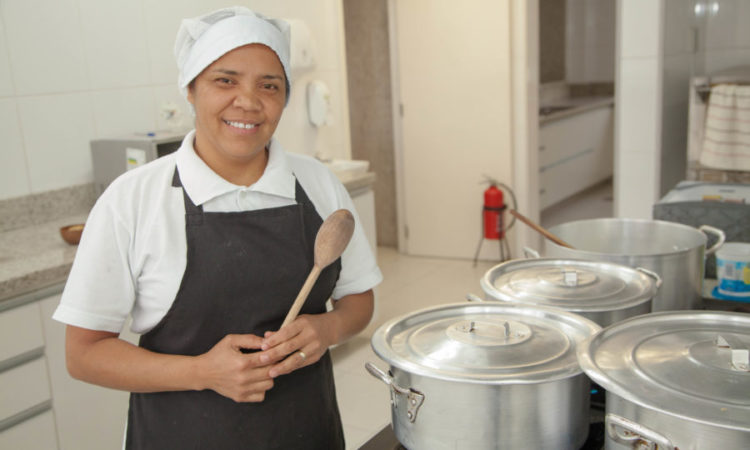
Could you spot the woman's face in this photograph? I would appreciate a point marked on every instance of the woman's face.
(238, 102)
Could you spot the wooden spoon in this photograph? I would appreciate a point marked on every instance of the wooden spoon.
(539, 229)
(332, 238)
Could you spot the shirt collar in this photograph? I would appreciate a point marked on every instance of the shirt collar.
(203, 184)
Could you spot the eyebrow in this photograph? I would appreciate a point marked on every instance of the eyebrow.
(236, 73)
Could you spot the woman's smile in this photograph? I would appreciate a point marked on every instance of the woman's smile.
(244, 126)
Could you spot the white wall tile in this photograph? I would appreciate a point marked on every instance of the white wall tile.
(723, 25)
(638, 104)
(640, 23)
(678, 27)
(45, 46)
(717, 60)
(163, 19)
(636, 183)
(56, 132)
(14, 174)
(6, 79)
(168, 96)
(743, 18)
(676, 79)
(114, 36)
(123, 111)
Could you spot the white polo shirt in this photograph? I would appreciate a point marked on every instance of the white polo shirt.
(132, 254)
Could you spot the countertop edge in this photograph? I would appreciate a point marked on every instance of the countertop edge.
(50, 265)
(577, 108)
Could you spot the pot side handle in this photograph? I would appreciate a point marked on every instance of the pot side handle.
(651, 274)
(414, 398)
(707, 229)
(627, 432)
(530, 253)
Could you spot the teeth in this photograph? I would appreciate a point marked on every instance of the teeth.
(245, 126)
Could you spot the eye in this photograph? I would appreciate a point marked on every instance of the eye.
(224, 81)
(270, 87)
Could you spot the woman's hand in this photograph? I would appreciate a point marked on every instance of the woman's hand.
(301, 343)
(234, 374)
(306, 339)
(102, 358)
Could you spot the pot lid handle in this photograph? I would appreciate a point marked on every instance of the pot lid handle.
(739, 351)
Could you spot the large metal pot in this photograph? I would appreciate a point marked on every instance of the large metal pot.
(485, 376)
(598, 290)
(674, 251)
(674, 380)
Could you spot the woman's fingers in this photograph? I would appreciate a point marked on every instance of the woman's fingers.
(228, 371)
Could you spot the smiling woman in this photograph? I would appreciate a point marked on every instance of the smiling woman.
(206, 249)
(238, 101)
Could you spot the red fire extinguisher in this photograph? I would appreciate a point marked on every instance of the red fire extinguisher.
(493, 213)
(492, 217)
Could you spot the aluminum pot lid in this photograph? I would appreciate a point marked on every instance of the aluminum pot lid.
(491, 343)
(574, 285)
(690, 364)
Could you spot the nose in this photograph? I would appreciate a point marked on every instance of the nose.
(247, 100)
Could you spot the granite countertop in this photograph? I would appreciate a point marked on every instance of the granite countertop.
(35, 256)
(571, 106)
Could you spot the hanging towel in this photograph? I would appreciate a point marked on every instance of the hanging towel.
(726, 139)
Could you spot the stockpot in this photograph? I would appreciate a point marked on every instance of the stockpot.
(674, 380)
(598, 290)
(674, 251)
(485, 376)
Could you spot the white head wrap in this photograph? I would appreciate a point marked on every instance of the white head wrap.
(204, 39)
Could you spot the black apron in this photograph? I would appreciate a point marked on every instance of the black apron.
(243, 272)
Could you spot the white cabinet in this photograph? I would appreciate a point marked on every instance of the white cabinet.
(26, 420)
(364, 203)
(88, 417)
(41, 406)
(575, 152)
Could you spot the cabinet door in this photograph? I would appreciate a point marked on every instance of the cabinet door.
(88, 417)
(575, 153)
(37, 433)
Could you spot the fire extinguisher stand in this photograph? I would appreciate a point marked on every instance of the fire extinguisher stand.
(492, 218)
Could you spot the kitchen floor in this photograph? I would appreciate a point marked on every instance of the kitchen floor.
(411, 283)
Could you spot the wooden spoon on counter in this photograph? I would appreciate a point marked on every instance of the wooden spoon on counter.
(539, 229)
(332, 238)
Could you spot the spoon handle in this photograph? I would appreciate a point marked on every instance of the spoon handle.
(302, 296)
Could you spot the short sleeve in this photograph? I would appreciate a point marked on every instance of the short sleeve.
(100, 290)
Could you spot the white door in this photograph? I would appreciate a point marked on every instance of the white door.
(452, 77)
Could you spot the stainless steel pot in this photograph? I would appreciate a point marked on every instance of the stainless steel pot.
(674, 380)
(600, 291)
(485, 375)
(674, 251)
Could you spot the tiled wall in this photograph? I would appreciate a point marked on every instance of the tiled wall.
(368, 61)
(552, 32)
(73, 70)
(590, 41)
(657, 53)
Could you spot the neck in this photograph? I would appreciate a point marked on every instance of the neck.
(241, 173)
(242, 170)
